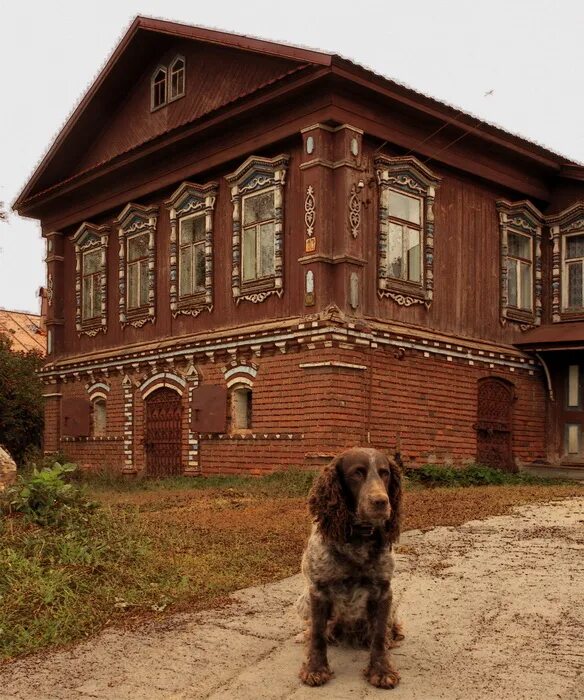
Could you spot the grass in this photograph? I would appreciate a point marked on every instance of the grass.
(184, 544)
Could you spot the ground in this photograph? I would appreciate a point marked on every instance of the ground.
(492, 609)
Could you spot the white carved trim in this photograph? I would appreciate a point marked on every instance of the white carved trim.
(354, 211)
(309, 211)
(162, 379)
(88, 237)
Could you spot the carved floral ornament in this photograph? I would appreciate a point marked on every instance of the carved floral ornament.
(408, 176)
(255, 175)
(89, 238)
(354, 211)
(137, 219)
(188, 200)
(524, 221)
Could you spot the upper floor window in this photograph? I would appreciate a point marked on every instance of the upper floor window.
(177, 78)
(158, 88)
(257, 193)
(406, 230)
(567, 234)
(191, 248)
(520, 280)
(90, 243)
(137, 282)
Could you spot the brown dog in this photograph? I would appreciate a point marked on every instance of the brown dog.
(348, 562)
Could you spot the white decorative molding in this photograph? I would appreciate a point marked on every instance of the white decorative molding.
(354, 211)
(566, 222)
(160, 380)
(128, 423)
(97, 390)
(309, 211)
(401, 299)
(88, 237)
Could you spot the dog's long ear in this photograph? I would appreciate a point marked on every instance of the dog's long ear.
(327, 503)
(394, 491)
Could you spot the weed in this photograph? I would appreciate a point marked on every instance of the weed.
(471, 475)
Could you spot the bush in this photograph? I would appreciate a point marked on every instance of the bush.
(472, 475)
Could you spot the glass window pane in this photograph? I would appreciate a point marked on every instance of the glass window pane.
(200, 266)
(186, 271)
(91, 262)
(96, 304)
(573, 386)
(575, 285)
(86, 311)
(267, 262)
(413, 254)
(186, 231)
(404, 207)
(512, 289)
(573, 438)
(248, 260)
(260, 207)
(395, 252)
(138, 247)
(144, 283)
(575, 247)
(199, 228)
(133, 286)
(526, 282)
(519, 246)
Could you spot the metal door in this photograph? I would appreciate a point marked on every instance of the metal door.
(495, 423)
(162, 438)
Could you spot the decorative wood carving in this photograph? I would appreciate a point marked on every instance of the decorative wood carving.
(570, 220)
(309, 211)
(354, 211)
(88, 237)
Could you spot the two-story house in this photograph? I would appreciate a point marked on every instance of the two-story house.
(258, 254)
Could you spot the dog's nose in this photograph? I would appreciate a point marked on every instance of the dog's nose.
(379, 501)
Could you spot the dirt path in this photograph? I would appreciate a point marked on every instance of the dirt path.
(493, 609)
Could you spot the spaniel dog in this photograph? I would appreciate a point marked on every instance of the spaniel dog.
(348, 563)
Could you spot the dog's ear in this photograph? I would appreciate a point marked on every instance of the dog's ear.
(327, 503)
(394, 491)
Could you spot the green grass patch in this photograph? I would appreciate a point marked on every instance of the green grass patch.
(432, 475)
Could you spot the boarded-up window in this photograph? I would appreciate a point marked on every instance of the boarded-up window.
(75, 418)
(209, 409)
(99, 417)
(258, 242)
(241, 408)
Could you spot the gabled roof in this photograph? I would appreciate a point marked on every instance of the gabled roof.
(23, 330)
(135, 48)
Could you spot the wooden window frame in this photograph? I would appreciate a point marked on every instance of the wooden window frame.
(567, 223)
(135, 219)
(256, 225)
(254, 176)
(171, 72)
(90, 238)
(524, 219)
(188, 200)
(566, 262)
(407, 176)
(153, 85)
(138, 264)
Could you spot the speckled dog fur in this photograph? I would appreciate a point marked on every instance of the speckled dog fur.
(348, 563)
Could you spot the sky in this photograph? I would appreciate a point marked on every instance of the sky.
(529, 53)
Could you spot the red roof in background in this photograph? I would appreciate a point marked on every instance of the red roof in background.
(24, 330)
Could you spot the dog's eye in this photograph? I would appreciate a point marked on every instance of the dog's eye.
(384, 473)
(360, 472)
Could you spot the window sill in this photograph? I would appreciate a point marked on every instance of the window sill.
(402, 292)
(259, 290)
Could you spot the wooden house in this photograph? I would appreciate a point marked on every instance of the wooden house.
(258, 254)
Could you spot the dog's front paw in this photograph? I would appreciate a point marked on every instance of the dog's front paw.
(382, 675)
(313, 676)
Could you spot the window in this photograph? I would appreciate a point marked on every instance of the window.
(192, 255)
(98, 415)
(257, 193)
(191, 248)
(406, 230)
(573, 393)
(573, 271)
(137, 236)
(137, 272)
(158, 88)
(258, 236)
(520, 269)
(91, 279)
(241, 408)
(177, 78)
(573, 438)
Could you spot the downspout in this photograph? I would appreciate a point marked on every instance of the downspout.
(547, 376)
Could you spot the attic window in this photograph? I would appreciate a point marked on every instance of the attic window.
(177, 78)
(158, 96)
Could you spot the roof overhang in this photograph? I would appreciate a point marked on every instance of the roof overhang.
(554, 337)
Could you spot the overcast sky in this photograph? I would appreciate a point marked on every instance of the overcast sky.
(529, 52)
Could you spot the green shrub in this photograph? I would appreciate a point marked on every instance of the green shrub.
(471, 475)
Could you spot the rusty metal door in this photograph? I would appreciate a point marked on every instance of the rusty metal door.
(494, 424)
(162, 433)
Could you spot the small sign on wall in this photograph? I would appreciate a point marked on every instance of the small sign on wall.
(310, 245)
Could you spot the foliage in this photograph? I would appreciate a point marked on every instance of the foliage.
(471, 475)
(21, 407)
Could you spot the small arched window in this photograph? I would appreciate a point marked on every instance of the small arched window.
(241, 408)
(98, 414)
(158, 90)
(177, 78)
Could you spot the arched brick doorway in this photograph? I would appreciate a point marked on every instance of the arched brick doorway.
(162, 432)
(495, 423)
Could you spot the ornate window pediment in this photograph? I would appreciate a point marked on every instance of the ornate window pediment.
(191, 248)
(405, 265)
(90, 243)
(257, 193)
(567, 235)
(521, 277)
(137, 237)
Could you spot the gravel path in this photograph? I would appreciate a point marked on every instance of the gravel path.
(492, 609)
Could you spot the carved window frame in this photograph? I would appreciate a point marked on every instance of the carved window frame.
(525, 219)
(171, 73)
(89, 237)
(569, 222)
(187, 200)
(153, 84)
(254, 176)
(137, 219)
(406, 175)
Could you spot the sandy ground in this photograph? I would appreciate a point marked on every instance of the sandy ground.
(492, 609)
